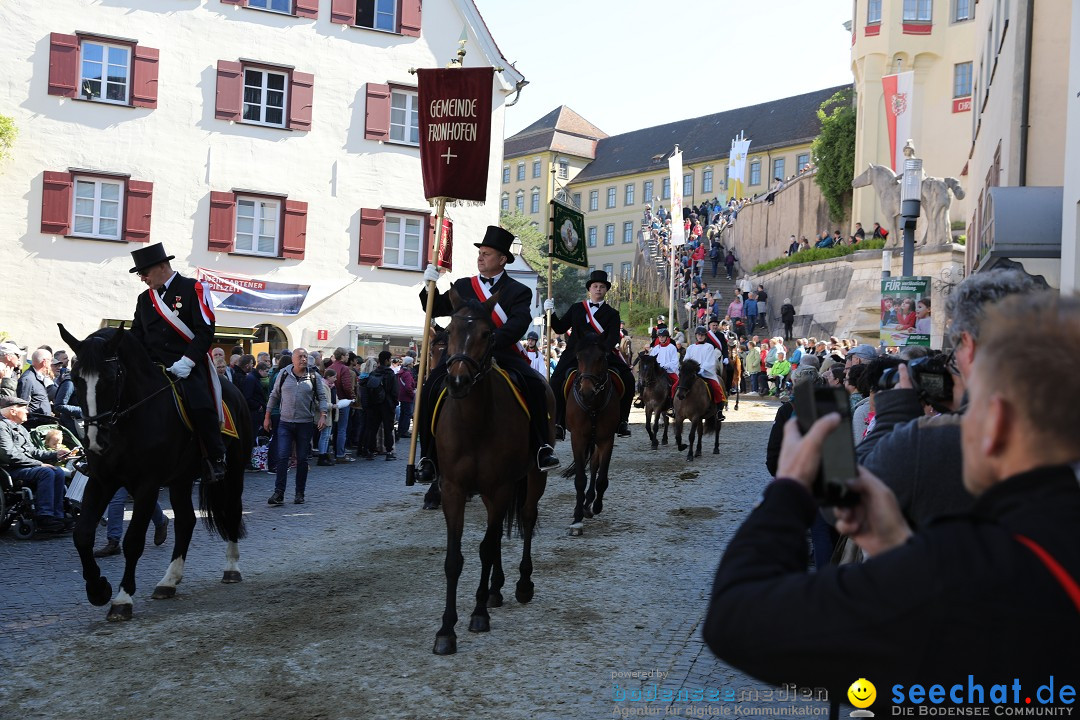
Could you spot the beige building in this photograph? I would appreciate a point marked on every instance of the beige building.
(1018, 128)
(542, 159)
(936, 40)
(631, 170)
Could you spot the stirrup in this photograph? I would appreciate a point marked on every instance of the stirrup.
(560, 432)
(425, 471)
(552, 461)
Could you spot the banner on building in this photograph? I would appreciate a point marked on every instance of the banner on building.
(455, 131)
(568, 243)
(678, 232)
(898, 91)
(246, 294)
(445, 258)
(905, 311)
(740, 149)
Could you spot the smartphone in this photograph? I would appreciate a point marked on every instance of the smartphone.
(838, 451)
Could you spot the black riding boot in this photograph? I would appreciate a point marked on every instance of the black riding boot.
(427, 466)
(538, 420)
(624, 404)
(208, 428)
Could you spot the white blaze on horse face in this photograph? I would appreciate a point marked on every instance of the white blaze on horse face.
(91, 379)
(174, 574)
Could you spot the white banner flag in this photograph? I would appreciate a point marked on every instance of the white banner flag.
(740, 148)
(898, 90)
(678, 232)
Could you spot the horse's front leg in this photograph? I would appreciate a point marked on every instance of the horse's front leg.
(678, 431)
(652, 426)
(580, 443)
(590, 492)
(453, 503)
(716, 436)
(664, 418)
(700, 427)
(183, 527)
(603, 450)
(489, 551)
(96, 498)
(534, 491)
(134, 542)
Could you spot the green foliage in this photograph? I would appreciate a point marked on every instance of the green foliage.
(834, 152)
(818, 254)
(961, 240)
(8, 133)
(641, 317)
(568, 281)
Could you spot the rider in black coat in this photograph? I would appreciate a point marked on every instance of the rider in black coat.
(577, 320)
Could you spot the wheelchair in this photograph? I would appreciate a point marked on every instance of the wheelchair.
(17, 504)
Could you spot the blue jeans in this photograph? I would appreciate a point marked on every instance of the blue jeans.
(290, 434)
(115, 515)
(271, 450)
(47, 483)
(405, 411)
(751, 323)
(342, 432)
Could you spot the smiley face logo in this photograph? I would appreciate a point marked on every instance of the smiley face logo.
(862, 693)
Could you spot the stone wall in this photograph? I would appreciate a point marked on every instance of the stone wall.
(842, 297)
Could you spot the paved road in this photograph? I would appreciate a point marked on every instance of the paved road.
(342, 596)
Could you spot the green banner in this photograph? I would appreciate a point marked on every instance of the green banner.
(569, 240)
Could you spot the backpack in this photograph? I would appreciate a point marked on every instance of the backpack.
(376, 390)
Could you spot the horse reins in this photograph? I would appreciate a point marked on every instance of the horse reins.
(478, 369)
(110, 418)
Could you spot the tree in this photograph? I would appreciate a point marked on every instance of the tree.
(567, 280)
(8, 131)
(834, 152)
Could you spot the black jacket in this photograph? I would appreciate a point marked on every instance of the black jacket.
(17, 451)
(961, 597)
(31, 388)
(576, 319)
(787, 313)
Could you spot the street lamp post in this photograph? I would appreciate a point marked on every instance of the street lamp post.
(910, 202)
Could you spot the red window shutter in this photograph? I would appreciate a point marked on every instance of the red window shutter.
(372, 223)
(222, 236)
(63, 65)
(137, 203)
(343, 11)
(144, 83)
(302, 91)
(294, 233)
(410, 18)
(56, 193)
(377, 121)
(429, 240)
(230, 90)
(307, 8)
(234, 2)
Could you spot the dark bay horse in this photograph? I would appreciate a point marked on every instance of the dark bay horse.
(693, 402)
(656, 392)
(137, 439)
(482, 436)
(591, 418)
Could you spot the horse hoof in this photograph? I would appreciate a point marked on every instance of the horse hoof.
(164, 592)
(119, 613)
(524, 592)
(575, 530)
(665, 442)
(681, 447)
(231, 576)
(587, 511)
(597, 506)
(98, 592)
(479, 623)
(716, 451)
(689, 457)
(655, 445)
(495, 600)
(445, 645)
(431, 505)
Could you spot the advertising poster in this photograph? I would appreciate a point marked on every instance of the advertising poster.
(905, 311)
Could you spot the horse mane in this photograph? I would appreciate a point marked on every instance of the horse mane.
(690, 367)
(92, 355)
(471, 307)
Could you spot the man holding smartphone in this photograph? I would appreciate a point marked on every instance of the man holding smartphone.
(991, 595)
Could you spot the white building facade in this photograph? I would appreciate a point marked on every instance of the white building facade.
(269, 140)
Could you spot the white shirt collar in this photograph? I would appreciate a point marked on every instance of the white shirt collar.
(169, 281)
(495, 278)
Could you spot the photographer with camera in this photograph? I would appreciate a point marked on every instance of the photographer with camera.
(916, 455)
(988, 596)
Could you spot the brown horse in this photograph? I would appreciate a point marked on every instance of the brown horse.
(656, 393)
(482, 436)
(591, 420)
(693, 402)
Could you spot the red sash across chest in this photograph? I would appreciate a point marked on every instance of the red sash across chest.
(483, 291)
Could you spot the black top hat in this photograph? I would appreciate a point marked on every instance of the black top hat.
(498, 239)
(597, 276)
(149, 256)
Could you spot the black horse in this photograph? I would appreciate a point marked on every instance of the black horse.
(137, 439)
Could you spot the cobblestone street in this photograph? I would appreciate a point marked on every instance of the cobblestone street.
(342, 597)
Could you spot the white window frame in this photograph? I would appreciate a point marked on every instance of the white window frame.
(956, 77)
(504, 205)
(594, 200)
(521, 171)
(801, 161)
(918, 16)
(506, 174)
(564, 169)
(626, 271)
(536, 168)
(591, 235)
(755, 170)
(609, 234)
(647, 188)
(665, 191)
(611, 196)
(376, 14)
(955, 13)
(782, 163)
(628, 193)
(519, 201)
(270, 9)
(628, 232)
(263, 89)
(688, 185)
(96, 217)
(403, 220)
(872, 17)
(609, 268)
(534, 201)
(412, 115)
(260, 204)
(106, 52)
(706, 180)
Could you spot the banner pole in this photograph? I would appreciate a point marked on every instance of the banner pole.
(425, 346)
(551, 249)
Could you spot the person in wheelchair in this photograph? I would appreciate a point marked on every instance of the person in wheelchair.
(32, 466)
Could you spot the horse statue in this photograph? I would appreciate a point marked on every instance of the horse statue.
(591, 419)
(139, 440)
(935, 201)
(886, 184)
(482, 436)
(656, 394)
(693, 401)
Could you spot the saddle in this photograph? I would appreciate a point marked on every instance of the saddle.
(515, 388)
(613, 377)
(228, 426)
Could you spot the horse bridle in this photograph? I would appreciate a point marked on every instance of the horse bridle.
(600, 385)
(108, 419)
(477, 369)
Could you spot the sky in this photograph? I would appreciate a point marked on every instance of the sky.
(629, 64)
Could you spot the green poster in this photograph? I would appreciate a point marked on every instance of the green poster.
(905, 311)
(569, 240)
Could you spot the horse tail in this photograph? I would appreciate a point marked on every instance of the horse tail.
(517, 505)
(220, 501)
(572, 470)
